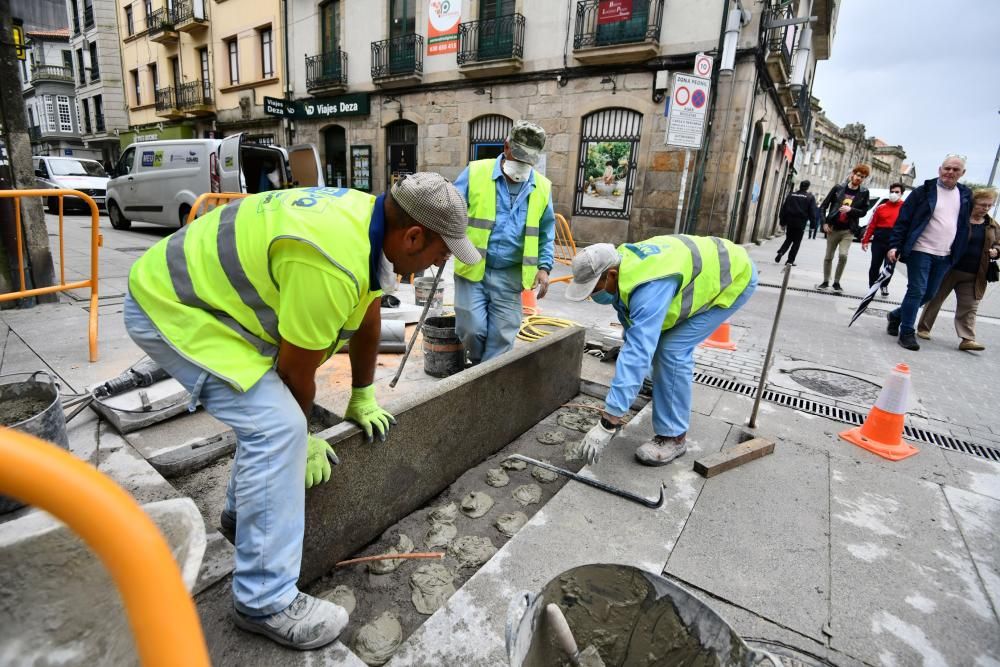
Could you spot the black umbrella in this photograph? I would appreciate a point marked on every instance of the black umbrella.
(883, 279)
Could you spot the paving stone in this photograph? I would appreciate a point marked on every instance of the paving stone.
(978, 519)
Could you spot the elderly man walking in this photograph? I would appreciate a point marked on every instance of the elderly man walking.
(930, 236)
(512, 224)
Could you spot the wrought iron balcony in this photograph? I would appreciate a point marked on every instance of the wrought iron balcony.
(500, 38)
(327, 70)
(166, 102)
(99, 122)
(88, 16)
(195, 97)
(398, 58)
(34, 134)
(780, 40)
(595, 29)
(51, 73)
(804, 106)
(160, 26)
(184, 19)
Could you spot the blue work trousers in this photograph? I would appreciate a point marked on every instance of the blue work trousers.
(267, 486)
(673, 364)
(488, 312)
(924, 274)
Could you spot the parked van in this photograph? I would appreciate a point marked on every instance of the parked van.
(158, 181)
(70, 173)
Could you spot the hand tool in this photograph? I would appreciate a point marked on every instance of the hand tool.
(597, 484)
(420, 326)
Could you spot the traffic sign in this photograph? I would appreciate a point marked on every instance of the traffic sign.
(686, 120)
(703, 65)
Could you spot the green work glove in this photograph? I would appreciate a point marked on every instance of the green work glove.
(365, 412)
(318, 456)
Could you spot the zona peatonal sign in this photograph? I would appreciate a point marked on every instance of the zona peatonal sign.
(355, 104)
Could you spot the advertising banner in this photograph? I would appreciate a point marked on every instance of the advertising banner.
(443, 17)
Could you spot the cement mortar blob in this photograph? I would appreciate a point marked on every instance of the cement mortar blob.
(542, 475)
(377, 641)
(440, 535)
(404, 545)
(471, 551)
(497, 477)
(444, 514)
(528, 494)
(476, 504)
(551, 438)
(343, 596)
(431, 585)
(510, 523)
(513, 465)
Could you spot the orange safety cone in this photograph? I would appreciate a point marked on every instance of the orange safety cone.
(882, 432)
(720, 339)
(529, 304)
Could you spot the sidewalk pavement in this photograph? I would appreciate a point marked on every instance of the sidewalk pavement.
(820, 546)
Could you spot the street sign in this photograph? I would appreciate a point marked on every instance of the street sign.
(703, 65)
(276, 106)
(686, 119)
(354, 104)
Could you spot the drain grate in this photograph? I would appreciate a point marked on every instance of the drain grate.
(852, 417)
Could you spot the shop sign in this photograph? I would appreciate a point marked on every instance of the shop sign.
(355, 104)
(613, 11)
(443, 17)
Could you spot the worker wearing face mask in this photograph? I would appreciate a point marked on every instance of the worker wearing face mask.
(512, 224)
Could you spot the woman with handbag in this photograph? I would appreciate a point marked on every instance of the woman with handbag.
(968, 277)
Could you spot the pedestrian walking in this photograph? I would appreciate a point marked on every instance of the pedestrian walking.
(512, 224)
(878, 232)
(845, 204)
(241, 309)
(815, 221)
(968, 277)
(670, 294)
(796, 213)
(930, 236)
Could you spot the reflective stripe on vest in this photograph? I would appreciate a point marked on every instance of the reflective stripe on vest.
(482, 219)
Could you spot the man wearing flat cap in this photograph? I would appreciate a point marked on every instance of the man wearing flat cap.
(512, 225)
(241, 307)
(670, 293)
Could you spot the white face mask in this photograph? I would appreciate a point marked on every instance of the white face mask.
(516, 171)
(894, 196)
(386, 275)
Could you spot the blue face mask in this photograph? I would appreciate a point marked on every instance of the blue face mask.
(603, 297)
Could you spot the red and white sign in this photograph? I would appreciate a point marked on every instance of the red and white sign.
(703, 65)
(686, 120)
(613, 11)
(443, 17)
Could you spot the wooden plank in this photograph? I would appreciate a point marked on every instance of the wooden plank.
(712, 465)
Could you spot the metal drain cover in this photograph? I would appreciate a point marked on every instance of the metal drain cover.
(837, 385)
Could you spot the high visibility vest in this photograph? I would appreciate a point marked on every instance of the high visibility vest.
(713, 272)
(208, 288)
(483, 215)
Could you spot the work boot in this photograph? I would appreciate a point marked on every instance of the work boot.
(837, 287)
(823, 285)
(926, 335)
(305, 624)
(661, 450)
(909, 341)
(893, 328)
(227, 521)
(970, 345)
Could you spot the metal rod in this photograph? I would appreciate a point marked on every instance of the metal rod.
(597, 484)
(770, 347)
(420, 326)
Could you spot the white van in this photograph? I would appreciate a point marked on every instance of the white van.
(876, 196)
(70, 173)
(158, 181)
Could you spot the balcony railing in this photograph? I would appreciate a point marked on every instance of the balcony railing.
(159, 21)
(804, 106)
(193, 95)
(165, 99)
(399, 56)
(34, 134)
(88, 16)
(184, 18)
(51, 73)
(594, 29)
(99, 122)
(499, 38)
(781, 40)
(327, 70)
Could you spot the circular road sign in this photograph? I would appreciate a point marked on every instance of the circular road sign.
(698, 99)
(702, 65)
(682, 95)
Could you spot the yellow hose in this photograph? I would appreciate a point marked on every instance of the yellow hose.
(529, 327)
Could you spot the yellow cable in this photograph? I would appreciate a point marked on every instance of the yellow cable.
(529, 327)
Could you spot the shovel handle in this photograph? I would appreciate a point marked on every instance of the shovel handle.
(416, 332)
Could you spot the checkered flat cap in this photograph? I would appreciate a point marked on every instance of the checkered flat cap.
(433, 201)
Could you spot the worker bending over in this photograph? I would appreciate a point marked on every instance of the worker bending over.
(670, 293)
(512, 225)
(241, 307)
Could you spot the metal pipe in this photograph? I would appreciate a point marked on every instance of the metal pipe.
(770, 347)
(420, 326)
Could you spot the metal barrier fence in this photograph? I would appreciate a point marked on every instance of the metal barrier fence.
(95, 242)
(212, 199)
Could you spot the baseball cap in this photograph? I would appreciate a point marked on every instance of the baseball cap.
(527, 141)
(435, 203)
(588, 267)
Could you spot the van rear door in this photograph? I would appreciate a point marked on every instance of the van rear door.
(229, 164)
(303, 161)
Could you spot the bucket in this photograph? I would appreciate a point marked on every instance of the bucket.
(443, 351)
(632, 618)
(32, 406)
(422, 290)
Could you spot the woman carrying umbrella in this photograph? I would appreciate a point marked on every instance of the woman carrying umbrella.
(878, 231)
(968, 277)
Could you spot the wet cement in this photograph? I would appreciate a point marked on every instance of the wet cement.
(509, 524)
(471, 551)
(377, 641)
(551, 438)
(542, 475)
(579, 419)
(476, 504)
(497, 477)
(343, 596)
(528, 494)
(16, 410)
(404, 545)
(513, 465)
(431, 586)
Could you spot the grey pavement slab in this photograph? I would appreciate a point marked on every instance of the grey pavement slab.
(905, 588)
(974, 474)
(978, 519)
(579, 525)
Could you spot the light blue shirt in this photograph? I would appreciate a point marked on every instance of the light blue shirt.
(647, 309)
(506, 246)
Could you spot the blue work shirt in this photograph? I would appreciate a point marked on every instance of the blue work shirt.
(647, 309)
(506, 246)
(376, 237)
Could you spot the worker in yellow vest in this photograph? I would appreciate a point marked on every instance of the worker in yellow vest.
(241, 307)
(670, 294)
(512, 224)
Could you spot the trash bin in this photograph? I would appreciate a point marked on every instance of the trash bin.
(632, 618)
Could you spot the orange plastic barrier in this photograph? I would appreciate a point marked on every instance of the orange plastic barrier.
(212, 199)
(95, 242)
(160, 611)
(564, 248)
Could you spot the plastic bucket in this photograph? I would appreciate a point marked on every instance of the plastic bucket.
(633, 618)
(32, 406)
(422, 291)
(443, 351)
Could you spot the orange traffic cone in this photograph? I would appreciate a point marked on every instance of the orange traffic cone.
(882, 432)
(529, 304)
(720, 339)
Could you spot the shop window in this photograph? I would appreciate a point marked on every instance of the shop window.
(487, 135)
(609, 146)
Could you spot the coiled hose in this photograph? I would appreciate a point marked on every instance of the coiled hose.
(531, 332)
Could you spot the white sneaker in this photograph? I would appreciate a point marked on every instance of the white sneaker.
(305, 624)
(661, 450)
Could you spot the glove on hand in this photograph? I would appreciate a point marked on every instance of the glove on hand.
(595, 441)
(365, 412)
(318, 455)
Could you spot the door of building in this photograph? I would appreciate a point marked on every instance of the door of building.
(402, 22)
(335, 156)
(401, 144)
(496, 29)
